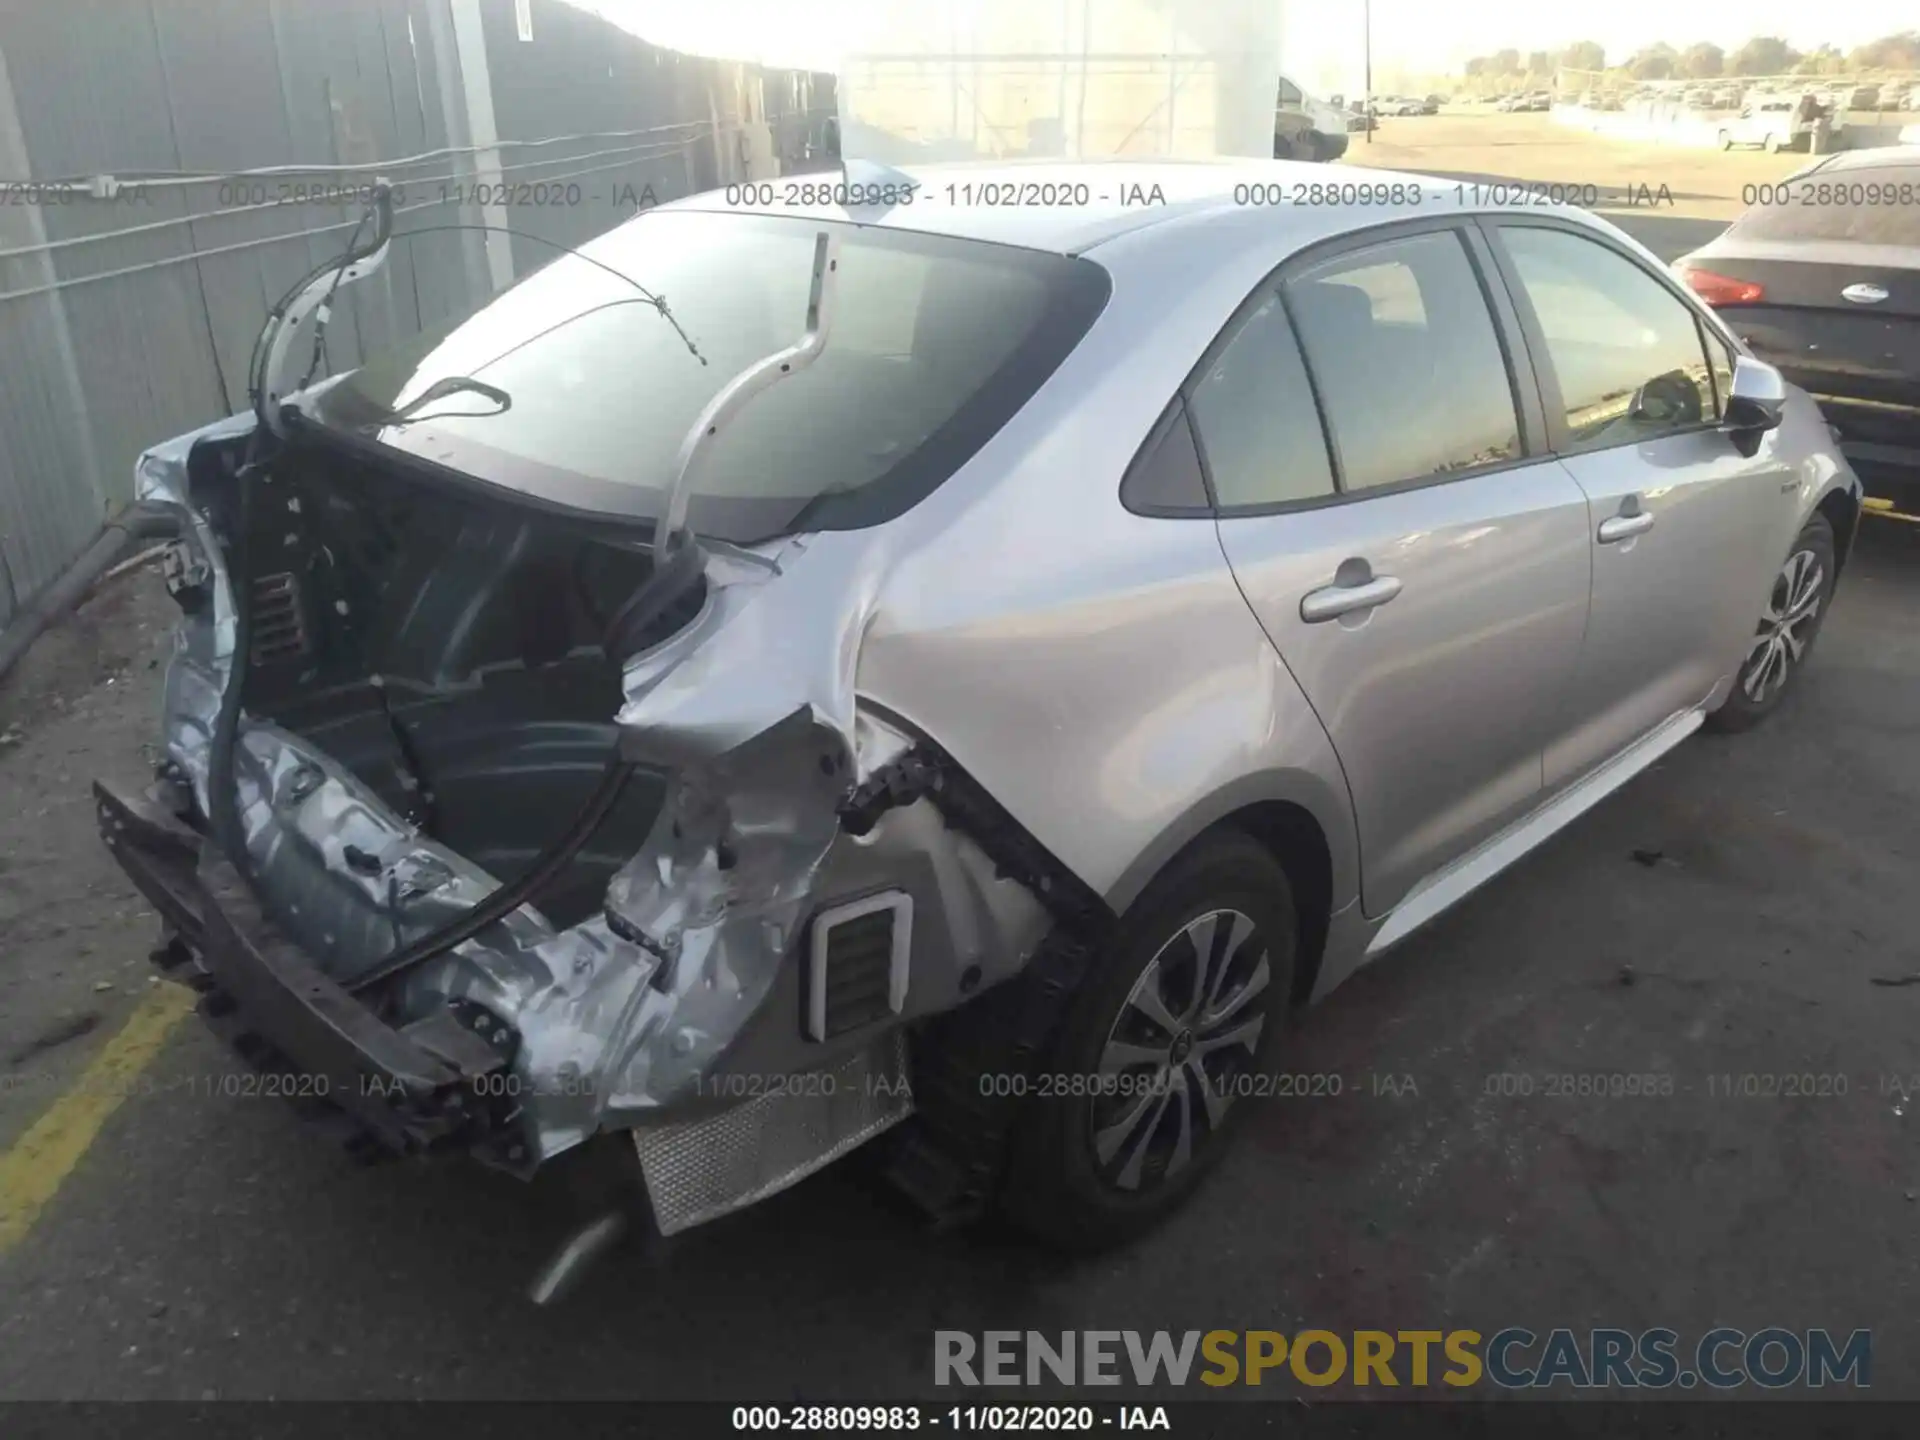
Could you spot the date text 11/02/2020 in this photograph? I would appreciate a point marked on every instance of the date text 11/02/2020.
(1260, 193)
(903, 1419)
(1498, 194)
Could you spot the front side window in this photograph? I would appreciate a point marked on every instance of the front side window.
(1626, 350)
(1411, 375)
(934, 344)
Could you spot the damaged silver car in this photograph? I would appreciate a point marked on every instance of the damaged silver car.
(957, 672)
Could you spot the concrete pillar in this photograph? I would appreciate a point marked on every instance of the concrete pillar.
(473, 93)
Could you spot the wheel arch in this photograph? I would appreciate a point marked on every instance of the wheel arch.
(1299, 820)
(1841, 507)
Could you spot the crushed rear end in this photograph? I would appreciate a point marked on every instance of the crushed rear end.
(711, 959)
(492, 821)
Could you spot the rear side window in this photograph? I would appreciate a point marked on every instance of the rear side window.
(1627, 352)
(1165, 477)
(1409, 366)
(1873, 205)
(1253, 411)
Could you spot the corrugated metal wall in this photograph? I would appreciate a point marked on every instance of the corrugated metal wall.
(96, 364)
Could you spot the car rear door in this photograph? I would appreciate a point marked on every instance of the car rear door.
(1683, 527)
(1418, 562)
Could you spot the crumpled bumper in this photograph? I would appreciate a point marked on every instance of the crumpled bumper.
(387, 1090)
(446, 1082)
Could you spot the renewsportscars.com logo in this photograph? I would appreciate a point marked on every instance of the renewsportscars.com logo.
(1511, 1359)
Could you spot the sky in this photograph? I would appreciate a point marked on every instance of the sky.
(1320, 37)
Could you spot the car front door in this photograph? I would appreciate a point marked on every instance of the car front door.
(1680, 522)
(1419, 566)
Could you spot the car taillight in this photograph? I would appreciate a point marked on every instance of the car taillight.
(1721, 289)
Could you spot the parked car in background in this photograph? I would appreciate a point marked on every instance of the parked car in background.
(1306, 127)
(1540, 100)
(1830, 294)
(1098, 630)
(1864, 97)
(1767, 122)
(1431, 105)
(1507, 104)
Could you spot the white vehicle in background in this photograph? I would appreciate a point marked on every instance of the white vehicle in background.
(1305, 127)
(1772, 123)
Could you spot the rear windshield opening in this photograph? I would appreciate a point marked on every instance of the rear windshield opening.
(934, 344)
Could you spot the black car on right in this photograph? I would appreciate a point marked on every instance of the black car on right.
(1821, 276)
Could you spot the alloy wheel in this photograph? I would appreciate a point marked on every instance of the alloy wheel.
(1786, 628)
(1187, 1029)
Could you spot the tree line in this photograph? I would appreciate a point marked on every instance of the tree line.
(1762, 55)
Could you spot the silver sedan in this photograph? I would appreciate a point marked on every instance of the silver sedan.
(944, 659)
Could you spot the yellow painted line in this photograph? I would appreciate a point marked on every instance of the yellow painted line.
(32, 1171)
(1885, 510)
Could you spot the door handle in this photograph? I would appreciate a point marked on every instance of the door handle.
(1625, 527)
(1330, 602)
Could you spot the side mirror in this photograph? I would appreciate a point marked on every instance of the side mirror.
(1756, 405)
(1759, 397)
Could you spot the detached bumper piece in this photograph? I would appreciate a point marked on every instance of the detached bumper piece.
(383, 1091)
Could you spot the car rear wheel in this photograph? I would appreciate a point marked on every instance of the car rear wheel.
(1773, 144)
(1149, 1077)
(1795, 610)
(1726, 141)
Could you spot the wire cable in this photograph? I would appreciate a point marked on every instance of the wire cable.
(188, 256)
(205, 177)
(657, 301)
(638, 152)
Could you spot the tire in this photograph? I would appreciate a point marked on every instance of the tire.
(1773, 144)
(1796, 609)
(1086, 1172)
(1726, 141)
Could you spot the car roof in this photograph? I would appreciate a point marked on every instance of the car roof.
(1883, 157)
(1065, 206)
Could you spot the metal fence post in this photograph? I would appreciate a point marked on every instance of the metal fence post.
(41, 527)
